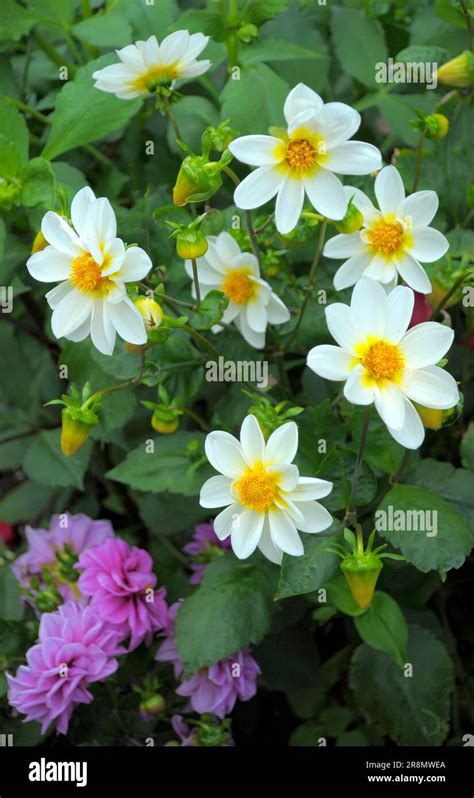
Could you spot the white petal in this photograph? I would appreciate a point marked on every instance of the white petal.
(60, 235)
(70, 313)
(352, 270)
(426, 343)
(330, 362)
(80, 208)
(267, 546)
(326, 193)
(354, 158)
(431, 387)
(284, 534)
(277, 312)
(252, 440)
(196, 44)
(369, 306)
(127, 321)
(413, 274)
(337, 123)
(301, 98)
(421, 207)
(227, 520)
(246, 533)
(310, 488)
(288, 476)
(428, 244)
(380, 269)
(227, 248)
(341, 325)
(136, 264)
(390, 405)
(153, 54)
(355, 389)
(256, 316)
(101, 329)
(389, 190)
(216, 492)
(282, 444)
(49, 265)
(258, 188)
(289, 205)
(400, 304)
(255, 339)
(130, 55)
(412, 433)
(53, 297)
(101, 225)
(315, 517)
(362, 202)
(344, 246)
(225, 454)
(194, 69)
(82, 332)
(257, 150)
(116, 253)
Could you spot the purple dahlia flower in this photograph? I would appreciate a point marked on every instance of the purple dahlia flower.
(75, 648)
(57, 550)
(203, 548)
(120, 582)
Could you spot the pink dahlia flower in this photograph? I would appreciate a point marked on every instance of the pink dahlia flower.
(57, 550)
(120, 582)
(203, 548)
(217, 688)
(74, 650)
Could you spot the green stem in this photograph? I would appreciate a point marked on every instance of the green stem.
(196, 283)
(360, 539)
(172, 119)
(351, 516)
(53, 54)
(201, 340)
(467, 16)
(86, 9)
(419, 158)
(210, 88)
(198, 419)
(248, 216)
(310, 286)
(76, 53)
(450, 293)
(122, 386)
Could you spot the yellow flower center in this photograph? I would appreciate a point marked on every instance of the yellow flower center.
(154, 76)
(257, 489)
(300, 155)
(384, 361)
(239, 287)
(385, 237)
(86, 275)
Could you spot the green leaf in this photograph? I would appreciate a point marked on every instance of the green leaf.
(10, 158)
(299, 575)
(278, 50)
(359, 43)
(447, 10)
(445, 549)
(421, 54)
(163, 515)
(10, 605)
(25, 502)
(147, 19)
(453, 484)
(14, 128)
(61, 13)
(104, 30)
(260, 11)
(167, 468)
(83, 113)
(37, 183)
(340, 595)
(467, 447)
(210, 23)
(338, 468)
(210, 311)
(382, 451)
(192, 114)
(259, 87)
(15, 21)
(230, 610)
(413, 710)
(383, 627)
(45, 463)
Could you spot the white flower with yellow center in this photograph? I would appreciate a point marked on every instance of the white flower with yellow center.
(144, 66)
(252, 303)
(393, 240)
(92, 266)
(302, 158)
(381, 363)
(265, 498)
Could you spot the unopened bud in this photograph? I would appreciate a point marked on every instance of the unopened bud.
(362, 573)
(459, 72)
(151, 312)
(160, 424)
(39, 243)
(436, 126)
(74, 433)
(352, 221)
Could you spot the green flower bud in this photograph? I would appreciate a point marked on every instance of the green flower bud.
(459, 72)
(191, 243)
(362, 573)
(352, 222)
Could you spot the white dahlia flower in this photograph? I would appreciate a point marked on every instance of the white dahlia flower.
(92, 267)
(393, 240)
(266, 501)
(303, 158)
(381, 363)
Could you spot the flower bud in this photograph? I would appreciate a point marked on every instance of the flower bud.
(362, 573)
(459, 72)
(151, 706)
(160, 424)
(39, 243)
(352, 221)
(74, 432)
(191, 244)
(198, 180)
(151, 312)
(437, 419)
(436, 126)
